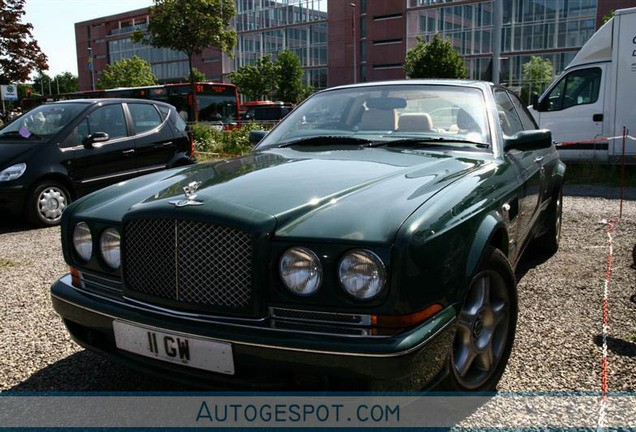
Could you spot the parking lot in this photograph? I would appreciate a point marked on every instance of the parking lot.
(558, 345)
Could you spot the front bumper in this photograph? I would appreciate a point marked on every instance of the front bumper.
(12, 198)
(416, 355)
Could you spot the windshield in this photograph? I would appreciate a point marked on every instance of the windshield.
(43, 121)
(440, 113)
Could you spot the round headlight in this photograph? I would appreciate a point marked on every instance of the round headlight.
(362, 274)
(301, 271)
(109, 245)
(82, 241)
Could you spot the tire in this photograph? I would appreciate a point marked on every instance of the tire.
(46, 203)
(548, 243)
(485, 328)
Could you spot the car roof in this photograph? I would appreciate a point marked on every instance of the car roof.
(437, 81)
(111, 100)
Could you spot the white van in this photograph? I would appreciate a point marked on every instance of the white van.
(587, 107)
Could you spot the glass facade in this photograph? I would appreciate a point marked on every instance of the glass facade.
(551, 29)
(166, 63)
(266, 27)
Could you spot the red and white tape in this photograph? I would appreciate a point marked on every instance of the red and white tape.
(620, 137)
(608, 275)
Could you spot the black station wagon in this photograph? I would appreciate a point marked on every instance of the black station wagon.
(369, 238)
(58, 152)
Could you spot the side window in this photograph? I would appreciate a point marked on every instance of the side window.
(508, 118)
(145, 117)
(109, 119)
(579, 87)
(526, 118)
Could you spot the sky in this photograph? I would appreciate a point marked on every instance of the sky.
(54, 25)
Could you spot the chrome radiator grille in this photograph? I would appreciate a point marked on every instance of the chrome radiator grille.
(188, 262)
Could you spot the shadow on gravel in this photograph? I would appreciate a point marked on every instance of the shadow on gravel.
(617, 346)
(529, 260)
(86, 371)
(10, 224)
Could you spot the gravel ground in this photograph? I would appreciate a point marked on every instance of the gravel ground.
(558, 335)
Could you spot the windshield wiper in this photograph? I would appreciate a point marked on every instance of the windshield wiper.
(327, 139)
(422, 141)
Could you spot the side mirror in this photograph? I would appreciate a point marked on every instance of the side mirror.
(529, 140)
(97, 137)
(257, 136)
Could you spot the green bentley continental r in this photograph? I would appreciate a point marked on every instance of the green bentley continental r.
(368, 241)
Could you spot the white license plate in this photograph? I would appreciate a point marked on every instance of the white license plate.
(176, 348)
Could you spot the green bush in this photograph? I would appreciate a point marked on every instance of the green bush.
(210, 142)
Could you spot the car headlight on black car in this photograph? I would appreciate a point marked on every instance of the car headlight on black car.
(362, 274)
(109, 246)
(83, 241)
(13, 172)
(301, 271)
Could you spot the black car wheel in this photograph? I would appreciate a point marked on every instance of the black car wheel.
(46, 203)
(485, 328)
(549, 242)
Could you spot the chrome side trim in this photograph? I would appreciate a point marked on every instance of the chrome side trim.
(257, 345)
(124, 173)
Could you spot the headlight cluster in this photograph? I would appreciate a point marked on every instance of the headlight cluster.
(109, 245)
(13, 172)
(361, 272)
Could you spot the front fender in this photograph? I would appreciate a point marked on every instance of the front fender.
(491, 231)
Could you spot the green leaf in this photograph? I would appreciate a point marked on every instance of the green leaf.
(131, 72)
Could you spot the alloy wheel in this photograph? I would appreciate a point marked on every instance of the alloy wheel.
(482, 330)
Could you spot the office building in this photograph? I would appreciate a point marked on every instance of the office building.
(340, 41)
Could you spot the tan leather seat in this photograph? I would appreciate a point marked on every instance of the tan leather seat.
(376, 120)
(415, 122)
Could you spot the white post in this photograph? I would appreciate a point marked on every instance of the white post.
(496, 40)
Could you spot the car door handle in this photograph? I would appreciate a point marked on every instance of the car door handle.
(128, 152)
(166, 144)
(539, 159)
(597, 117)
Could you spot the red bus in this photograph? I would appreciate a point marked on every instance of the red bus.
(218, 103)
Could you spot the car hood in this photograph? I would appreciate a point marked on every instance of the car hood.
(12, 152)
(362, 195)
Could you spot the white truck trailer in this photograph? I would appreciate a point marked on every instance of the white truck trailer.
(588, 105)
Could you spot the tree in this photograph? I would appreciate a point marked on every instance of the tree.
(256, 81)
(289, 79)
(608, 17)
(130, 72)
(437, 59)
(190, 26)
(537, 74)
(65, 82)
(41, 83)
(20, 54)
(198, 76)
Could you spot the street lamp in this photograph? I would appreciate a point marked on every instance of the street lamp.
(355, 43)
